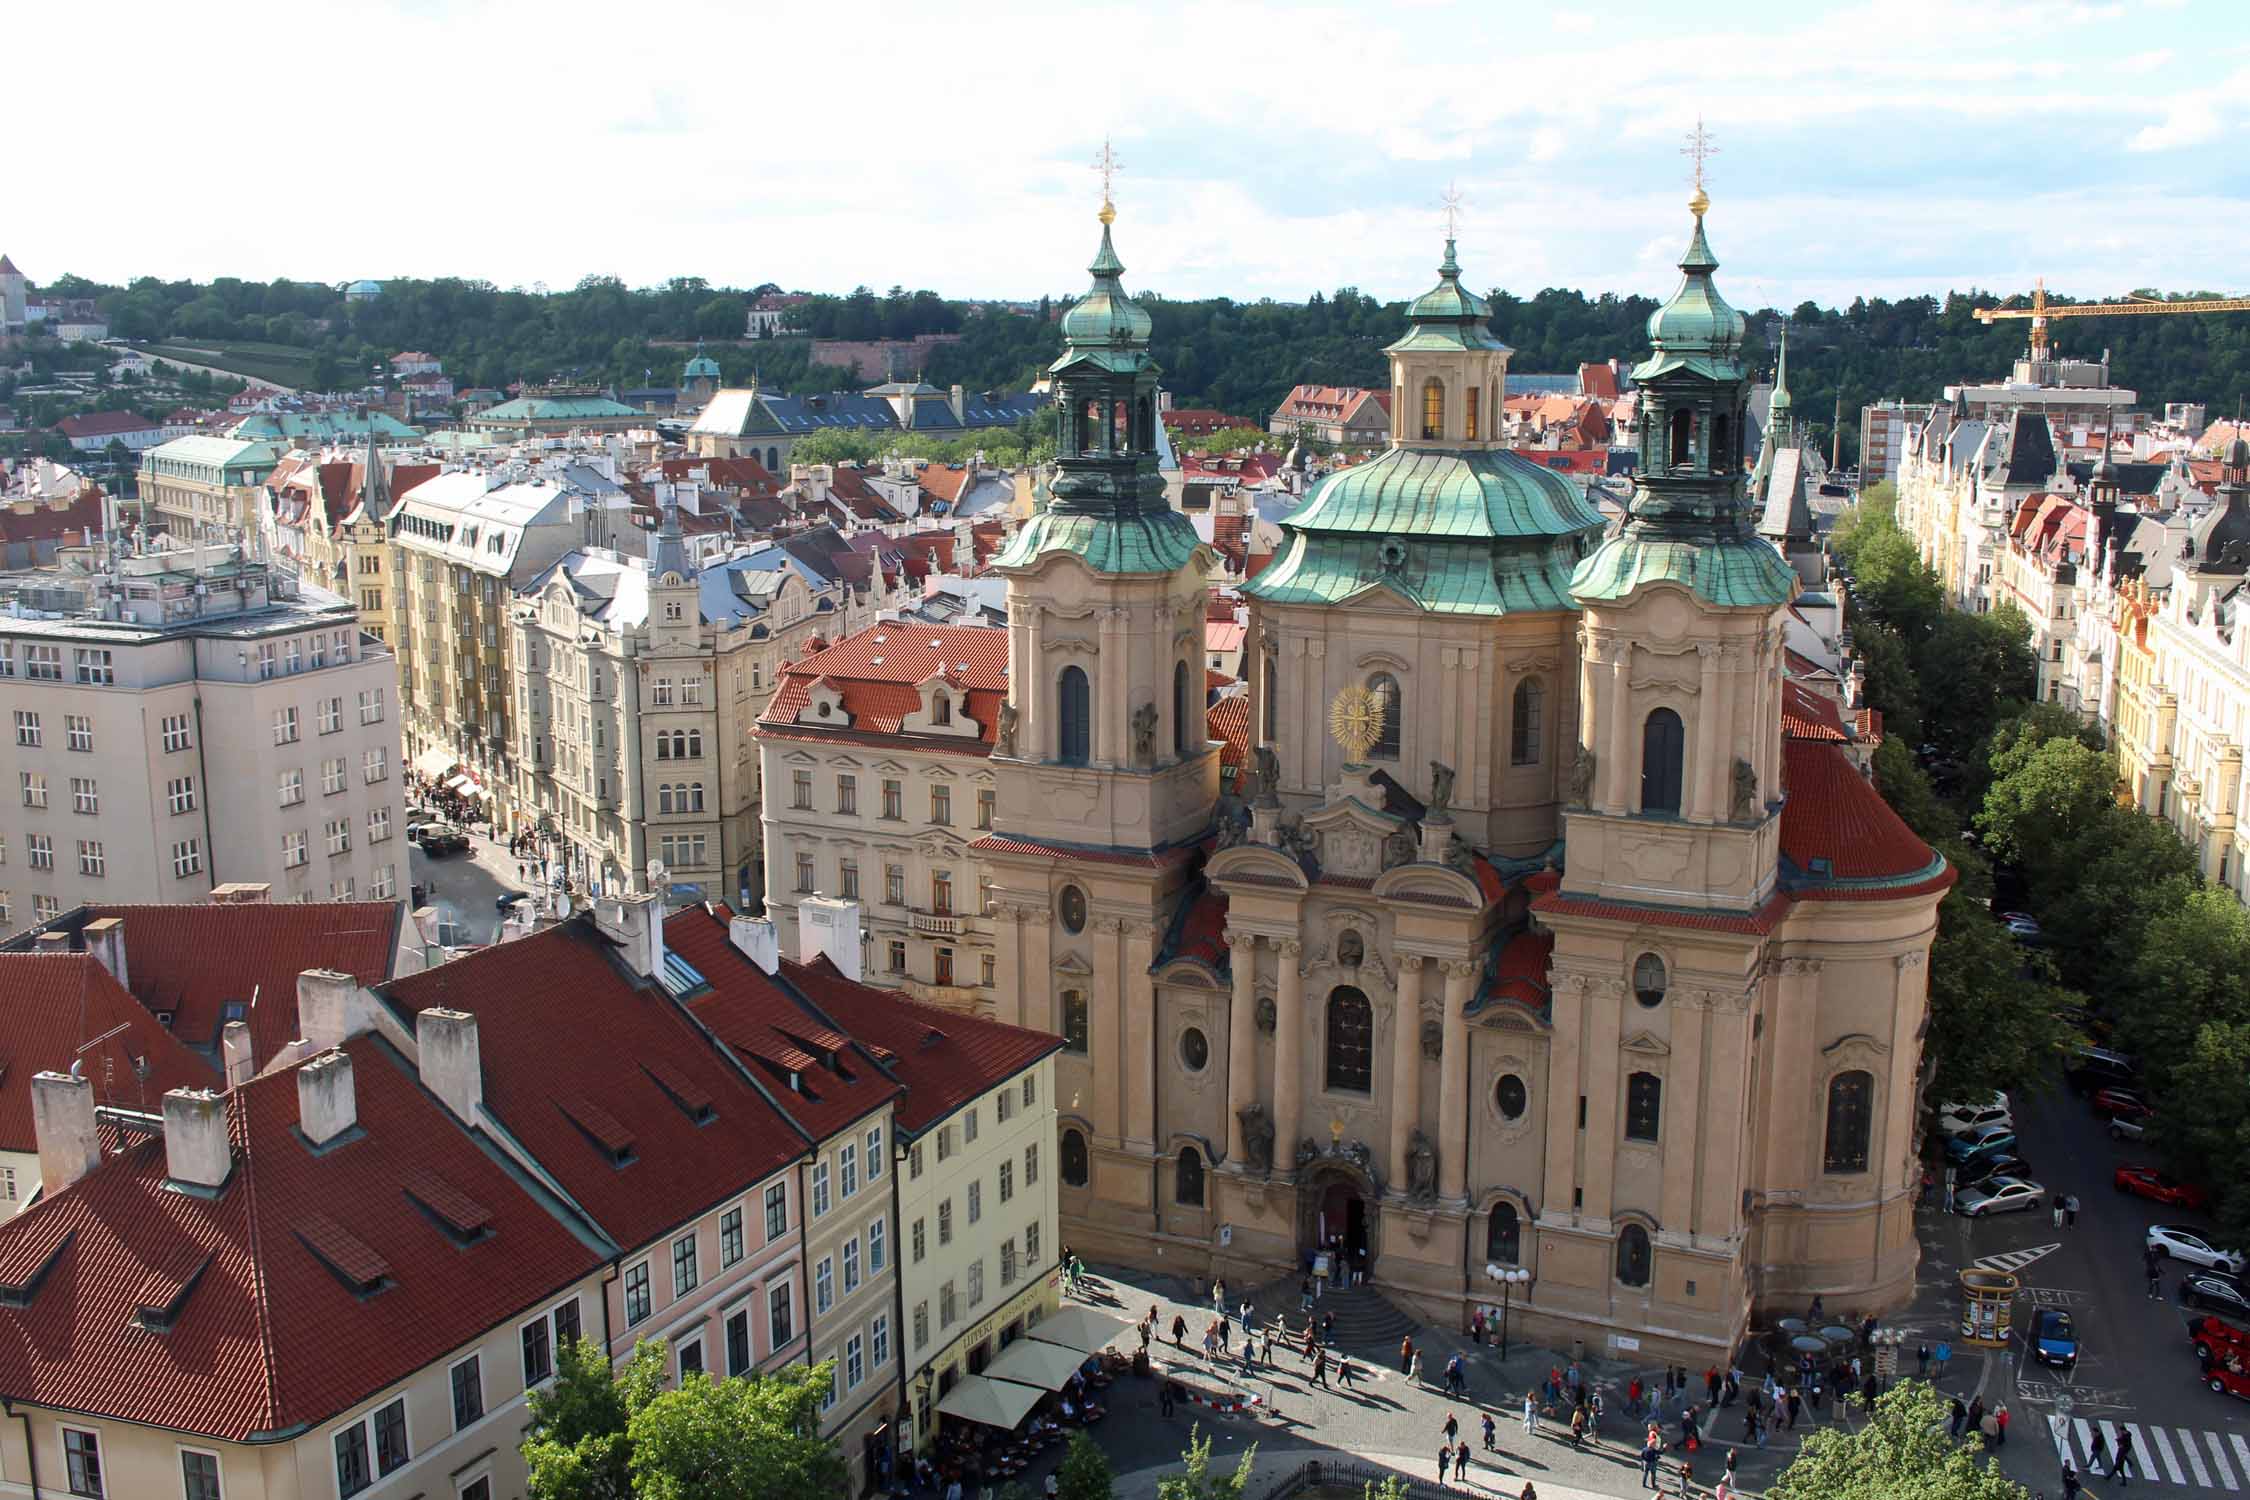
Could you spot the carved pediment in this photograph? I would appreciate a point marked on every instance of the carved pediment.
(1646, 1044)
(892, 768)
(1351, 837)
(1255, 862)
(1073, 963)
(1427, 881)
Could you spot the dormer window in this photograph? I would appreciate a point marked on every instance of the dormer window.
(941, 709)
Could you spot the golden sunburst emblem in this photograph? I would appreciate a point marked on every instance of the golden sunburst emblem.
(1355, 721)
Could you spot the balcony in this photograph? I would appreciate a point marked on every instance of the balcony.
(930, 924)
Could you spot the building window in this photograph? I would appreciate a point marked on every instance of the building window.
(781, 1308)
(80, 731)
(82, 1462)
(851, 1266)
(1073, 1159)
(1663, 747)
(1385, 688)
(92, 860)
(1267, 709)
(375, 764)
(878, 1246)
(824, 1286)
(199, 1475)
(330, 714)
(94, 668)
(777, 1211)
(941, 805)
(848, 878)
(639, 1299)
(1511, 1096)
(879, 1340)
(800, 790)
(1070, 906)
(1187, 1178)
(85, 796)
(34, 788)
(920, 1241)
(1503, 1234)
(1850, 1114)
(1031, 1164)
(894, 799)
(1649, 980)
(1031, 1244)
(847, 795)
(875, 1154)
(468, 1392)
(1351, 1027)
(684, 1275)
(293, 848)
(738, 1343)
(1074, 717)
(819, 1188)
(894, 885)
(187, 858)
(1632, 1255)
(941, 966)
(1195, 1050)
(179, 794)
(1076, 1024)
(176, 732)
(1007, 1181)
(730, 1237)
(1182, 707)
(976, 1202)
(1644, 1106)
(941, 709)
(40, 848)
(285, 726)
(332, 776)
(804, 874)
(897, 956)
(941, 892)
(855, 1362)
(847, 1171)
(1433, 409)
(985, 800)
(1523, 732)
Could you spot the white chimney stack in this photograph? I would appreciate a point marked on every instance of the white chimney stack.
(197, 1153)
(827, 925)
(327, 1106)
(452, 1065)
(330, 1009)
(105, 939)
(62, 1118)
(756, 937)
(635, 923)
(234, 1048)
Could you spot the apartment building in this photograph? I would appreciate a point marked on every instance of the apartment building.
(206, 488)
(2201, 651)
(636, 683)
(1883, 429)
(1959, 486)
(2039, 572)
(874, 753)
(186, 719)
(328, 511)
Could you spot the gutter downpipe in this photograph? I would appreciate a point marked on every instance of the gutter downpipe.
(30, 1449)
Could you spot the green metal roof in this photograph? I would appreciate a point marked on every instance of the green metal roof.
(1697, 321)
(1154, 541)
(1424, 492)
(1106, 318)
(1449, 577)
(1448, 316)
(1727, 571)
(555, 409)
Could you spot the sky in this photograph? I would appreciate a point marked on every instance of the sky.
(1879, 149)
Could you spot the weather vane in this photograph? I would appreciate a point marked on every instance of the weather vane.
(1106, 163)
(1449, 203)
(1699, 148)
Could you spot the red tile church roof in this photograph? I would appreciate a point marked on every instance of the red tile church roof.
(877, 672)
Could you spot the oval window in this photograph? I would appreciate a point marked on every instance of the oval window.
(1195, 1050)
(1649, 980)
(1512, 1097)
(1071, 907)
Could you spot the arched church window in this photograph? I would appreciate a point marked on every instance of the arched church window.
(1632, 1255)
(1851, 1098)
(1073, 1159)
(1433, 408)
(1351, 1036)
(1523, 730)
(1271, 713)
(1074, 717)
(1182, 707)
(1385, 688)
(1644, 1107)
(1649, 980)
(1663, 747)
(1503, 1234)
(1472, 409)
(1077, 1027)
(1722, 452)
(773, 460)
(1187, 1178)
(1678, 451)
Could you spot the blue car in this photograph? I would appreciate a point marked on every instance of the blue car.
(1984, 1141)
(2054, 1339)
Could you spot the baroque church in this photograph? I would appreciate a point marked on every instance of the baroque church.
(1556, 933)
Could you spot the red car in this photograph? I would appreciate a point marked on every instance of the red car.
(2121, 1104)
(2148, 1182)
(2216, 1340)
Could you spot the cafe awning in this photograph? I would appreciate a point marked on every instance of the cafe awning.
(466, 785)
(1079, 1328)
(994, 1403)
(1048, 1366)
(433, 763)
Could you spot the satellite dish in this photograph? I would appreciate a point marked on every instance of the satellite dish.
(562, 906)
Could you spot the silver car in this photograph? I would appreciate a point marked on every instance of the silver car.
(2185, 1244)
(1998, 1195)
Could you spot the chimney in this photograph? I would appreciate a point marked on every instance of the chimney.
(240, 893)
(828, 925)
(197, 1153)
(636, 923)
(960, 407)
(326, 1104)
(452, 1067)
(52, 942)
(234, 1048)
(62, 1117)
(105, 939)
(329, 1009)
(756, 937)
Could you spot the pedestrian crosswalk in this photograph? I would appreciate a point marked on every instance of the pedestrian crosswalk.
(2016, 1260)
(2157, 1455)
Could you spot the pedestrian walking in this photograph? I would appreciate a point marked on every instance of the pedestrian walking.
(1414, 1371)
(1267, 1349)
(1944, 1356)
(1711, 1386)
(1304, 1297)
(2070, 1212)
(2155, 1282)
(1733, 1458)
(1343, 1369)
(1219, 1297)
(1444, 1457)
(1179, 1331)
(1452, 1427)
(1406, 1354)
(2055, 1208)
(1455, 1381)
(1651, 1454)
(1461, 1464)
(1577, 1426)
(1633, 1397)
(2069, 1480)
(1921, 1359)
(1530, 1414)
(1491, 1442)
(1328, 1328)
(1796, 1404)
(1165, 1406)
(2122, 1466)
(1476, 1326)
(2000, 1425)
(1320, 1369)
(1976, 1414)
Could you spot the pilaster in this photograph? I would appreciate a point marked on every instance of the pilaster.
(1288, 1058)
(1406, 1067)
(1454, 1085)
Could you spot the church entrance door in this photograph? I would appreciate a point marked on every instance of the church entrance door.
(1339, 1217)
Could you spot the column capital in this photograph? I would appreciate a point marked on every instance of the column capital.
(1410, 963)
(1290, 947)
(1241, 941)
(1461, 968)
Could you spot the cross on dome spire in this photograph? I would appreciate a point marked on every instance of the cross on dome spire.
(1700, 149)
(1450, 203)
(1106, 162)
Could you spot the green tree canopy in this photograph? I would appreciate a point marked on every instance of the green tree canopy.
(1084, 1473)
(1995, 1014)
(579, 1448)
(2039, 813)
(1195, 1481)
(2193, 968)
(2210, 1142)
(754, 1438)
(1902, 1450)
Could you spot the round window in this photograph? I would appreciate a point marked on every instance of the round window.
(1648, 980)
(1071, 907)
(1510, 1094)
(1195, 1050)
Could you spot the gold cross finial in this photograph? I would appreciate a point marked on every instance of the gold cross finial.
(1450, 203)
(1106, 163)
(1700, 149)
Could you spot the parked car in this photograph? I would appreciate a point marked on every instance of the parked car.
(2215, 1294)
(1985, 1168)
(2180, 1242)
(2215, 1339)
(2148, 1182)
(2092, 1068)
(1998, 1195)
(2127, 1130)
(506, 899)
(1967, 1114)
(443, 838)
(2054, 1339)
(2226, 1382)
(2121, 1104)
(1985, 1140)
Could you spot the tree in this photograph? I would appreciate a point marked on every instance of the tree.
(1973, 670)
(1195, 1481)
(2210, 1142)
(2192, 967)
(579, 1447)
(1891, 685)
(2133, 868)
(1995, 1015)
(1903, 1449)
(1906, 787)
(1084, 1473)
(2038, 815)
(752, 1438)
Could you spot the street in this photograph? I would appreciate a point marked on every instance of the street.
(2135, 1370)
(461, 888)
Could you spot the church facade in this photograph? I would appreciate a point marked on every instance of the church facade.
(1557, 935)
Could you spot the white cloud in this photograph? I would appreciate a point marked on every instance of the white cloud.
(1547, 143)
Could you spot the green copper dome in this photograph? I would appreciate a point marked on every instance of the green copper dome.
(1448, 316)
(1696, 326)
(702, 366)
(1105, 318)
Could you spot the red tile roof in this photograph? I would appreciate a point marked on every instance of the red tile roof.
(1229, 723)
(53, 523)
(266, 1336)
(104, 424)
(569, 1045)
(744, 478)
(1837, 829)
(56, 1003)
(1753, 923)
(1521, 976)
(1806, 715)
(1202, 931)
(191, 960)
(877, 673)
(772, 1033)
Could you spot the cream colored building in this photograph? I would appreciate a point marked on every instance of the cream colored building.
(327, 512)
(195, 721)
(874, 753)
(2201, 658)
(1960, 483)
(206, 488)
(1539, 947)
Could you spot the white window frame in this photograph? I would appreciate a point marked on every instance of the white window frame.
(101, 1459)
(375, 1471)
(218, 1461)
(855, 1357)
(820, 1199)
(847, 1171)
(786, 1285)
(625, 1292)
(875, 1158)
(824, 1296)
(483, 1410)
(766, 1205)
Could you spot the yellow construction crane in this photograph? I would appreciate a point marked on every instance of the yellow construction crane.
(2039, 311)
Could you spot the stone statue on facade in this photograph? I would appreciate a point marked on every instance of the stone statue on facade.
(1299, 840)
(1351, 950)
(1257, 1137)
(1232, 831)
(1268, 1016)
(1399, 849)
(1004, 737)
(1441, 789)
(1308, 1152)
(1433, 1040)
(1421, 1167)
(1144, 730)
(1745, 792)
(1269, 776)
(1582, 777)
(1459, 856)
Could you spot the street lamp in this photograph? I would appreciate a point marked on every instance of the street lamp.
(1509, 1278)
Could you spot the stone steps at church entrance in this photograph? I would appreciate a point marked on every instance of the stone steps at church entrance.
(1366, 1321)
